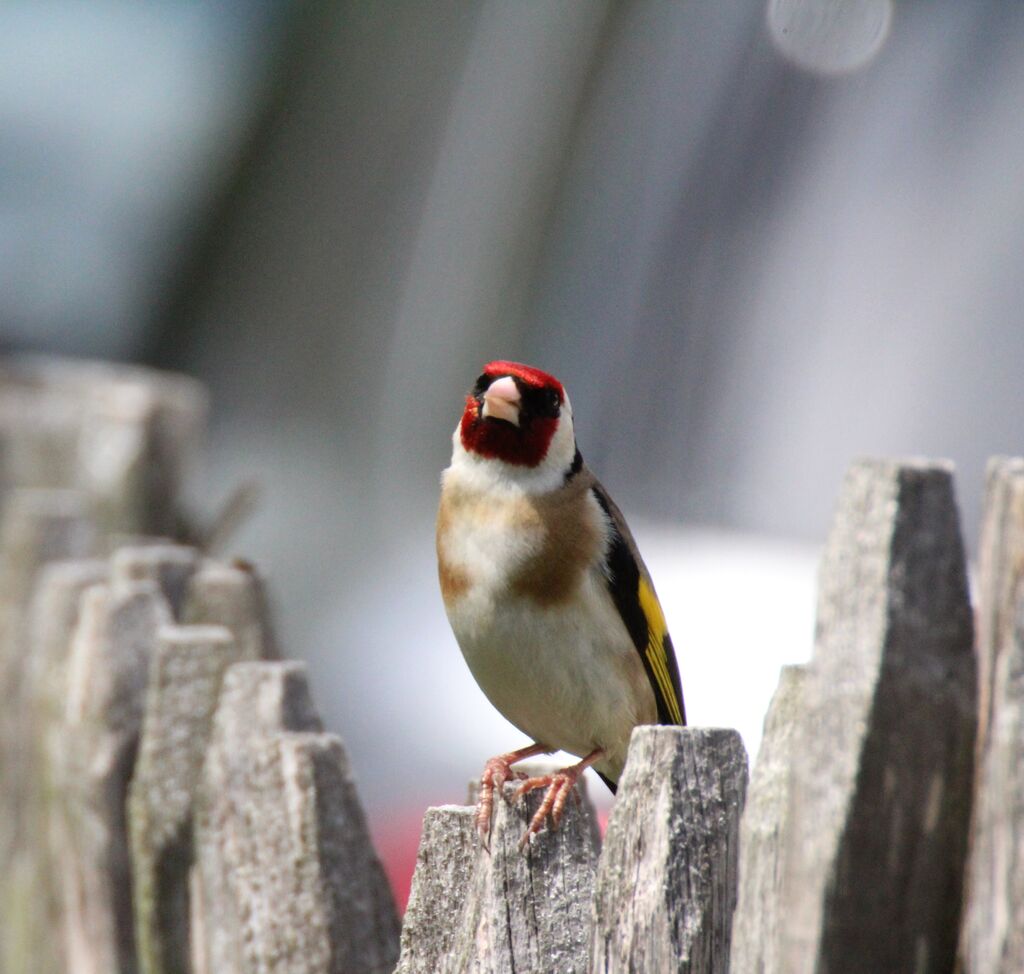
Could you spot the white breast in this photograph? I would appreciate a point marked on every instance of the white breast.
(567, 675)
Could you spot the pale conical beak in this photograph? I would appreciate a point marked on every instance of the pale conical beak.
(502, 400)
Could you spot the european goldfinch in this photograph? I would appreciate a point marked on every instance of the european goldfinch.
(547, 595)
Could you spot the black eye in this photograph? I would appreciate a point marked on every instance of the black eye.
(550, 402)
(481, 384)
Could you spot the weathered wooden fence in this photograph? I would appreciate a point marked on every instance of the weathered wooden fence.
(168, 799)
(170, 803)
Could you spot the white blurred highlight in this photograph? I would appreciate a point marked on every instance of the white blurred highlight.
(830, 36)
(738, 607)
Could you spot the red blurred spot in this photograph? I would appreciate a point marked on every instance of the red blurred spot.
(397, 841)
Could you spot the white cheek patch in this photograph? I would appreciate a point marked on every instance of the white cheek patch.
(563, 444)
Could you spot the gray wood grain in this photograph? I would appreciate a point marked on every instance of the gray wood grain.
(760, 910)
(501, 910)
(125, 436)
(256, 700)
(108, 668)
(233, 596)
(993, 926)
(1000, 569)
(184, 682)
(38, 865)
(86, 450)
(289, 882)
(169, 566)
(449, 844)
(136, 434)
(38, 528)
(881, 787)
(666, 882)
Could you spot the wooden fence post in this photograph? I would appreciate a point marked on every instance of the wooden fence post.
(52, 618)
(1000, 569)
(133, 434)
(760, 910)
(449, 844)
(184, 681)
(256, 701)
(502, 909)
(288, 880)
(232, 596)
(992, 939)
(122, 435)
(168, 566)
(38, 527)
(881, 787)
(107, 674)
(666, 880)
(87, 450)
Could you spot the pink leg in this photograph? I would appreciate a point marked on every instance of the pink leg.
(559, 786)
(496, 772)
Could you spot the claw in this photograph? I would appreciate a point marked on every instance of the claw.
(560, 785)
(497, 771)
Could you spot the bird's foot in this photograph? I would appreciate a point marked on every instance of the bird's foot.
(560, 785)
(497, 771)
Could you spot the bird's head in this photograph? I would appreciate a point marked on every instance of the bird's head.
(520, 417)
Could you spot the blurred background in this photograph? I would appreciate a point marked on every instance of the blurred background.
(755, 240)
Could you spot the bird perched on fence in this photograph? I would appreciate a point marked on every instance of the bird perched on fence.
(545, 590)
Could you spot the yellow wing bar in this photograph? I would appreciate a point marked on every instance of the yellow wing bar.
(657, 658)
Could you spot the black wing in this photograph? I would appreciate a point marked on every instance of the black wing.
(634, 597)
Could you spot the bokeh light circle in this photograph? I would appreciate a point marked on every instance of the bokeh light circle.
(829, 36)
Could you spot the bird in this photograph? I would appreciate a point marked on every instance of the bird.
(548, 598)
